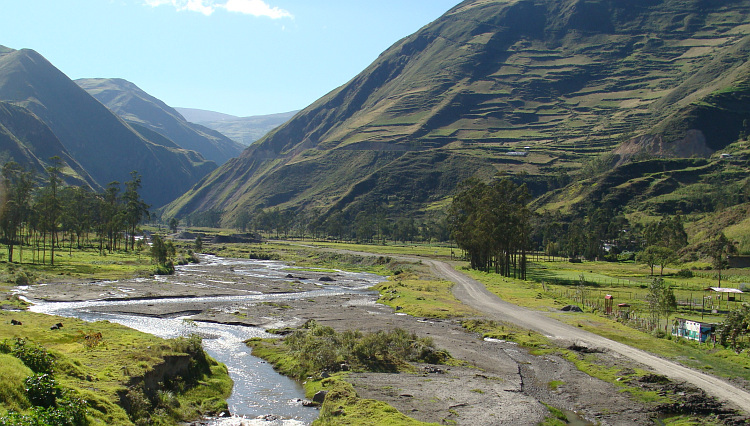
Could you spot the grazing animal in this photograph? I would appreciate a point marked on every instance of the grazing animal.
(59, 325)
(54, 327)
(15, 322)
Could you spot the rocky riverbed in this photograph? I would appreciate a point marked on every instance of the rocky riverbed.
(500, 382)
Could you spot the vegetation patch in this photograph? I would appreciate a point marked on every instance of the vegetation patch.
(59, 377)
(407, 293)
(314, 348)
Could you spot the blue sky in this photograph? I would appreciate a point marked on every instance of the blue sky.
(240, 57)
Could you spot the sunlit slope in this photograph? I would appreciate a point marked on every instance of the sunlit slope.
(567, 79)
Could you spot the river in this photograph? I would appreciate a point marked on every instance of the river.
(259, 392)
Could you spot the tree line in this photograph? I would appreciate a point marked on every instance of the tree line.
(41, 213)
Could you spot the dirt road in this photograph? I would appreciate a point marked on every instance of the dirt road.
(474, 294)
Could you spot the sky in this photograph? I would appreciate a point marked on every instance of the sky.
(239, 57)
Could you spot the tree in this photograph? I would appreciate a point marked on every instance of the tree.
(162, 250)
(648, 257)
(364, 226)
(491, 224)
(173, 224)
(135, 208)
(198, 244)
(719, 248)
(661, 300)
(49, 206)
(735, 325)
(656, 255)
(18, 184)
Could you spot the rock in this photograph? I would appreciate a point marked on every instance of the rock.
(571, 308)
(432, 369)
(344, 367)
(307, 403)
(325, 375)
(326, 279)
(268, 418)
(319, 397)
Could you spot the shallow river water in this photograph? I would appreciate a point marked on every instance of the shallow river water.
(258, 390)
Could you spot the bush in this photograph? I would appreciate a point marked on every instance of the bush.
(33, 356)
(164, 269)
(42, 390)
(685, 273)
(319, 348)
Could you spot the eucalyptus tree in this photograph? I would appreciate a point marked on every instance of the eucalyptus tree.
(135, 208)
(18, 184)
(491, 223)
(49, 207)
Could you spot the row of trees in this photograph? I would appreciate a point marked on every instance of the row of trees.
(369, 226)
(38, 212)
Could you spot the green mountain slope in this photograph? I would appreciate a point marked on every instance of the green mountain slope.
(244, 130)
(102, 143)
(136, 106)
(569, 79)
(28, 141)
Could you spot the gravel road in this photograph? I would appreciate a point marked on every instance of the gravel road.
(474, 294)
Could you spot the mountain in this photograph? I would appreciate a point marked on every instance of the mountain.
(244, 130)
(195, 115)
(532, 88)
(107, 147)
(136, 106)
(27, 140)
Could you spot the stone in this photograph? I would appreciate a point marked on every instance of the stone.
(320, 396)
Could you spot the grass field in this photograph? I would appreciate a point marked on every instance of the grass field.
(97, 362)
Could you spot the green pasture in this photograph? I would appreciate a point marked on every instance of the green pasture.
(99, 370)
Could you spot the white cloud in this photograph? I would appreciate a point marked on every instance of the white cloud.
(207, 7)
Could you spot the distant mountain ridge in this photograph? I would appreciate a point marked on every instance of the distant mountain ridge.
(136, 106)
(244, 130)
(569, 79)
(107, 147)
(195, 115)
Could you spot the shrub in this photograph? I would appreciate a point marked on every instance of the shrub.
(685, 273)
(164, 269)
(33, 356)
(42, 390)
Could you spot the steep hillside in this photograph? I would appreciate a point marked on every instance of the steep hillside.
(136, 106)
(99, 141)
(244, 130)
(28, 141)
(569, 79)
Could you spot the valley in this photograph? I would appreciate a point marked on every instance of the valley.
(528, 212)
(500, 360)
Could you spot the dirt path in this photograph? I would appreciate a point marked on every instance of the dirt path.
(474, 294)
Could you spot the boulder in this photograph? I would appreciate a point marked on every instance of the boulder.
(571, 308)
(319, 397)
